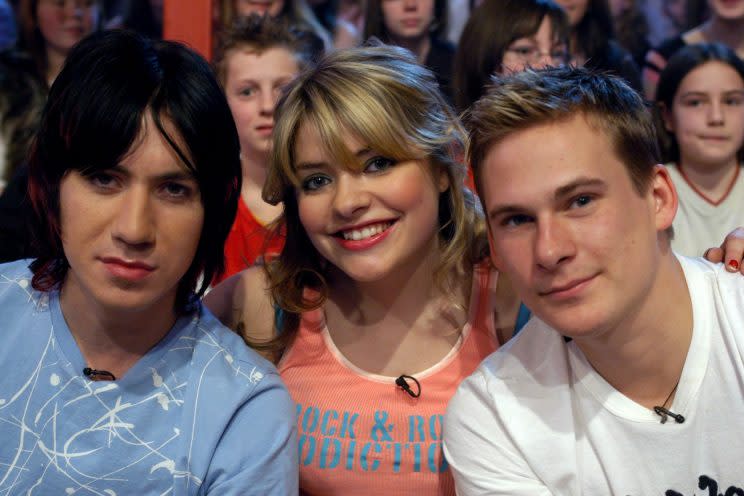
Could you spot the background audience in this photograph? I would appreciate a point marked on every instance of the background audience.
(507, 36)
(700, 99)
(258, 57)
(592, 42)
(295, 12)
(725, 25)
(417, 25)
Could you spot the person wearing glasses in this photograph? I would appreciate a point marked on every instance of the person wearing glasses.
(504, 36)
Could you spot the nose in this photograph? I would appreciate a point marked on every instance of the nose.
(134, 222)
(554, 244)
(351, 197)
(544, 59)
(410, 4)
(715, 113)
(267, 101)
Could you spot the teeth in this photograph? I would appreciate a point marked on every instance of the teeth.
(365, 232)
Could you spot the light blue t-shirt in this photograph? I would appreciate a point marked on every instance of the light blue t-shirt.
(199, 414)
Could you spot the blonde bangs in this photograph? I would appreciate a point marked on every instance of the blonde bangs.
(380, 97)
(366, 122)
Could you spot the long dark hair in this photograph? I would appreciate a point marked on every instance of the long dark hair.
(595, 30)
(92, 118)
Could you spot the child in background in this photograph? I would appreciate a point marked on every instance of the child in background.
(419, 26)
(701, 102)
(258, 57)
(387, 299)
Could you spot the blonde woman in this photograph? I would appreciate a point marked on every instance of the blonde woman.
(385, 297)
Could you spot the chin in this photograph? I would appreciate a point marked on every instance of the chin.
(365, 274)
(132, 301)
(574, 323)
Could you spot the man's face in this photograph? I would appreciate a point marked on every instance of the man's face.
(569, 228)
(130, 233)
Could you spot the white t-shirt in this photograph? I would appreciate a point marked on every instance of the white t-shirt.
(699, 224)
(536, 419)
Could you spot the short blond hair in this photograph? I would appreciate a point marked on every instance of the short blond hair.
(519, 101)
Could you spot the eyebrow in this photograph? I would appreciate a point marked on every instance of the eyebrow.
(581, 182)
(560, 193)
(320, 164)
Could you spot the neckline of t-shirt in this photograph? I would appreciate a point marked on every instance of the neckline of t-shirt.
(481, 275)
(693, 371)
(423, 374)
(697, 198)
(69, 352)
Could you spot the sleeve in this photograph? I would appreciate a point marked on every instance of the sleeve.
(257, 454)
(483, 458)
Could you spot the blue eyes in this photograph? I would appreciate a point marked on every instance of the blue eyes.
(576, 202)
(319, 180)
(315, 182)
(378, 164)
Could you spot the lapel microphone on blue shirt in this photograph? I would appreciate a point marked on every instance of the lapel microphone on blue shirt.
(402, 383)
(98, 375)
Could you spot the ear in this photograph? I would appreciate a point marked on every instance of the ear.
(664, 197)
(666, 117)
(443, 182)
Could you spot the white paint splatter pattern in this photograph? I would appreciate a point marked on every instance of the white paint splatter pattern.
(60, 432)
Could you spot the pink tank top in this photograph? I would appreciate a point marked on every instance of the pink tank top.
(361, 434)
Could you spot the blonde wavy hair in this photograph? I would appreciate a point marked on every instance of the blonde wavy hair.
(383, 97)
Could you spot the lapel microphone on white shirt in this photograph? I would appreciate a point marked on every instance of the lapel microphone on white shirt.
(664, 413)
(402, 383)
(98, 375)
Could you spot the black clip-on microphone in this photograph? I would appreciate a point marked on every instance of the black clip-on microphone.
(664, 413)
(98, 375)
(403, 384)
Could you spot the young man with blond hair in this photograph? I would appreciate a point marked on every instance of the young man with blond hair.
(630, 379)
